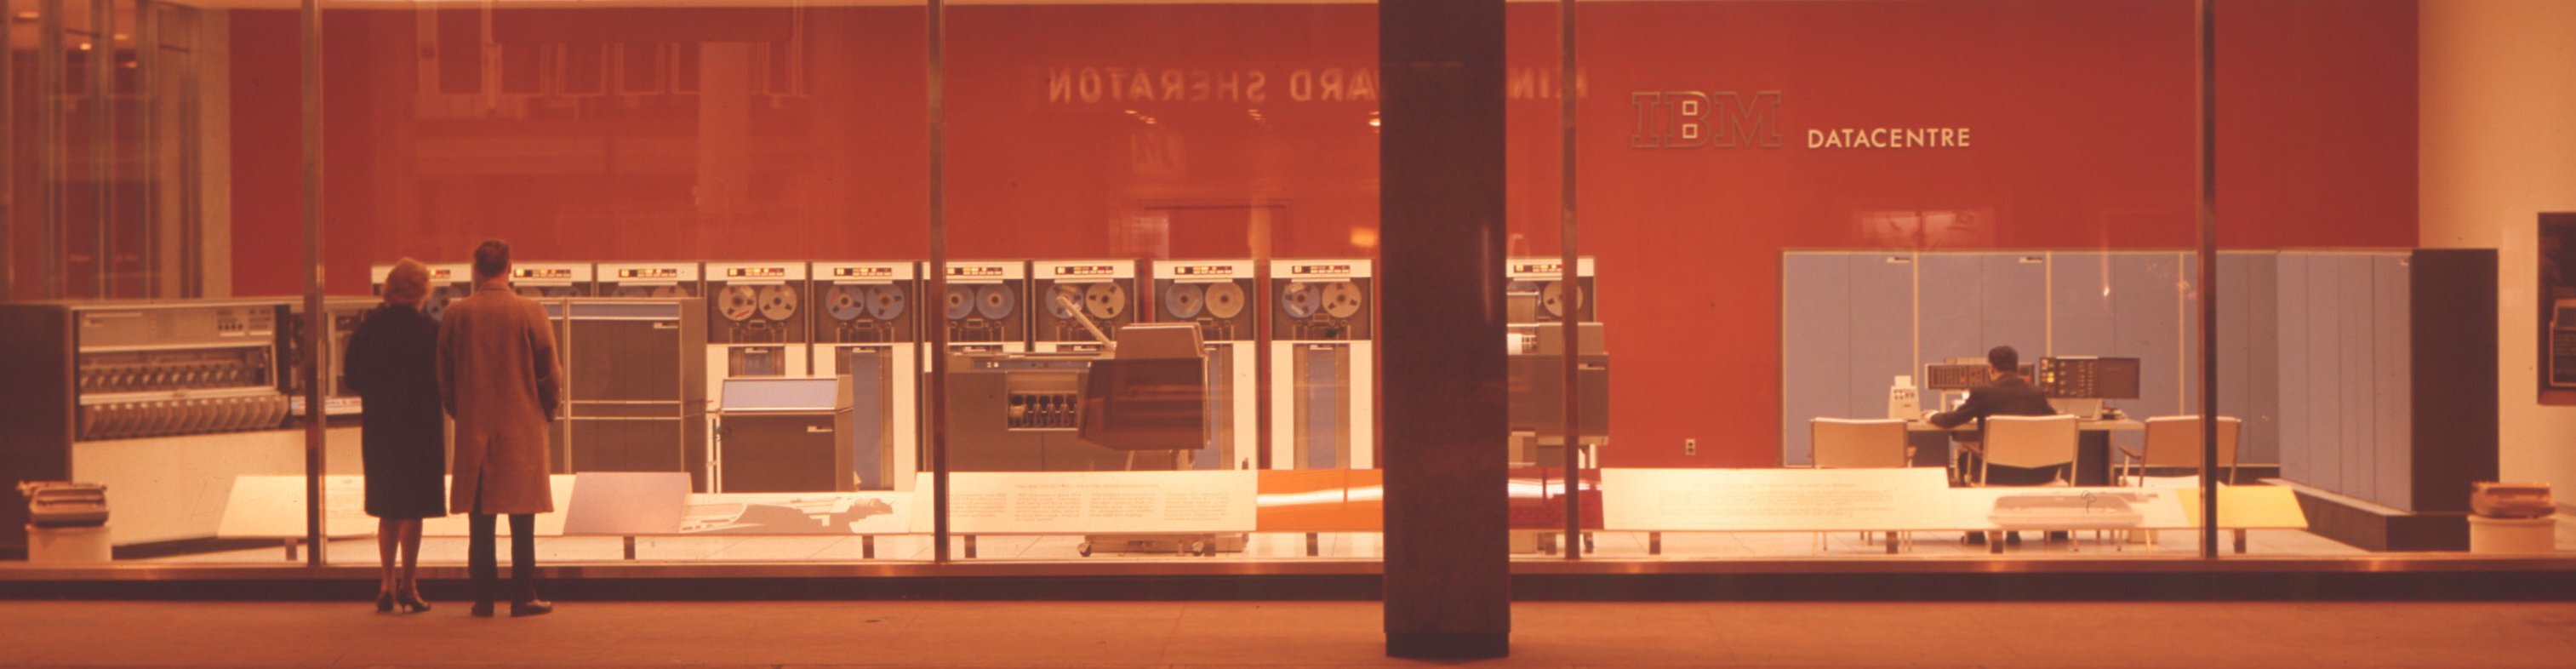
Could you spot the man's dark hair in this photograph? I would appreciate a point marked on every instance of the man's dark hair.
(491, 259)
(2004, 358)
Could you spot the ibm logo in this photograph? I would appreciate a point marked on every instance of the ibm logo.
(1695, 119)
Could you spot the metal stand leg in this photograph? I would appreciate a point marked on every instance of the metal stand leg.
(1891, 543)
(867, 546)
(290, 548)
(2240, 542)
(1654, 543)
(1995, 543)
(970, 546)
(1314, 544)
(630, 547)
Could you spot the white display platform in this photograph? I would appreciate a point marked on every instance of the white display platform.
(1774, 500)
(272, 507)
(1093, 502)
(1906, 499)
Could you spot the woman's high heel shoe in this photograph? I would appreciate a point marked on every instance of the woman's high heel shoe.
(412, 603)
(385, 602)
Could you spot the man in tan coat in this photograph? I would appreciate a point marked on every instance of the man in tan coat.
(498, 378)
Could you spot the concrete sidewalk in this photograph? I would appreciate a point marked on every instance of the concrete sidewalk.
(1315, 634)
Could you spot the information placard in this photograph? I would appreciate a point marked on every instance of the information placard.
(272, 507)
(1755, 500)
(1092, 502)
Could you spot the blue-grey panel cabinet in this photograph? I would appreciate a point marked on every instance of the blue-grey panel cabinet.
(1882, 328)
(2248, 346)
(2324, 347)
(1815, 345)
(2015, 307)
(2295, 412)
(1950, 304)
(2359, 439)
(2392, 406)
(2079, 303)
(2146, 313)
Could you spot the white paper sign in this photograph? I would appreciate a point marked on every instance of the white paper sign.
(842, 513)
(1775, 499)
(266, 507)
(548, 524)
(1093, 502)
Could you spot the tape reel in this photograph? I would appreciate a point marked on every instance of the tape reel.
(887, 302)
(846, 303)
(1225, 300)
(1343, 299)
(1300, 300)
(961, 302)
(737, 303)
(995, 302)
(1558, 299)
(1183, 300)
(1057, 295)
(436, 305)
(777, 303)
(1105, 300)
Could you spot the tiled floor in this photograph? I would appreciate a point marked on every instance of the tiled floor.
(1289, 634)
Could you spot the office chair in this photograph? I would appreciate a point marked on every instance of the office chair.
(1847, 443)
(2030, 442)
(2175, 441)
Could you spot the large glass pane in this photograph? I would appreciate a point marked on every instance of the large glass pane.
(686, 189)
(171, 407)
(2386, 305)
(1210, 167)
(1887, 279)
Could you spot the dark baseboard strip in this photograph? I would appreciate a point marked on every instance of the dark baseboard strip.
(1449, 646)
(2459, 585)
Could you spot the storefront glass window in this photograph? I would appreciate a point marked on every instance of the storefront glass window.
(1197, 184)
(1112, 272)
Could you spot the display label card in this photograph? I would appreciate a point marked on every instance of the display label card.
(272, 507)
(1093, 502)
(842, 513)
(549, 524)
(627, 503)
(1755, 500)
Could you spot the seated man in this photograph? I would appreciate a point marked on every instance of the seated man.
(2005, 394)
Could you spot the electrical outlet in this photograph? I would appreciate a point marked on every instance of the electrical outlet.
(1690, 447)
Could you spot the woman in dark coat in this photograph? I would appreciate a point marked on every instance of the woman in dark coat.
(392, 363)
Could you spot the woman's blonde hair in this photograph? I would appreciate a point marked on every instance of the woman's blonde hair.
(407, 282)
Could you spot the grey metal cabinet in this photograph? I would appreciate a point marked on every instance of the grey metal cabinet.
(1815, 345)
(2393, 380)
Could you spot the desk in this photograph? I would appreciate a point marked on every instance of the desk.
(2092, 445)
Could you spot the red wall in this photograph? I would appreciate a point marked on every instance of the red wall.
(2082, 114)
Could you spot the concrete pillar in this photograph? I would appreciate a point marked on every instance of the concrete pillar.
(1440, 162)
